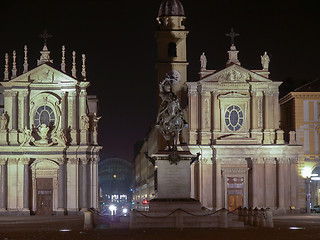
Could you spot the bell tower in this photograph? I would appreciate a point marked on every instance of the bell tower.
(171, 45)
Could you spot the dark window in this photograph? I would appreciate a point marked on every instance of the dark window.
(172, 49)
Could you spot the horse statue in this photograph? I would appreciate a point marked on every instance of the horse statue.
(170, 121)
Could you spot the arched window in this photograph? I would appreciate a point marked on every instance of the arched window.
(172, 49)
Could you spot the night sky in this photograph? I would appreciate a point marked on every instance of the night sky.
(118, 40)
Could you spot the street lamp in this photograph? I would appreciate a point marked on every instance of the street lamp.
(308, 175)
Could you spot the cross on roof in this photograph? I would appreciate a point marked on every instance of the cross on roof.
(45, 35)
(232, 35)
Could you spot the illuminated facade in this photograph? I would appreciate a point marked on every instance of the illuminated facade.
(300, 112)
(48, 140)
(233, 117)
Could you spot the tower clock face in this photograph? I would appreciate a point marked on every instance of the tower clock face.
(174, 75)
(44, 115)
(234, 118)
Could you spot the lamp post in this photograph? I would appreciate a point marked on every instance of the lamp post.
(308, 175)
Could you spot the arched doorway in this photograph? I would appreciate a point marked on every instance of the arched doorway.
(44, 186)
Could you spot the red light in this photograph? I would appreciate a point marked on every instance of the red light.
(144, 202)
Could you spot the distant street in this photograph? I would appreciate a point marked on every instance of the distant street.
(303, 227)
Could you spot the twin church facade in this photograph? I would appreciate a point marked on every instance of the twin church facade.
(48, 140)
(233, 116)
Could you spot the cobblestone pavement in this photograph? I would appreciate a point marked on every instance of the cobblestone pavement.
(303, 227)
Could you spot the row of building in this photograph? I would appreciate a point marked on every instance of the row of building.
(256, 150)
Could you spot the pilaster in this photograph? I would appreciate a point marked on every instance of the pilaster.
(216, 114)
(205, 117)
(193, 112)
(3, 185)
(72, 185)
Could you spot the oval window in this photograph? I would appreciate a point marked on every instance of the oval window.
(233, 118)
(44, 115)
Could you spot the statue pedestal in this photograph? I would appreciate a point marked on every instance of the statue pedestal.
(173, 175)
(173, 182)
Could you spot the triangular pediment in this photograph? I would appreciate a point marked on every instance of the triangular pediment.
(235, 74)
(43, 74)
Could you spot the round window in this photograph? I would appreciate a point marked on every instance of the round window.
(234, 118)
(44, 115)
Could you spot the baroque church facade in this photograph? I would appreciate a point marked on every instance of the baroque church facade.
(48, 139)
(233, 118)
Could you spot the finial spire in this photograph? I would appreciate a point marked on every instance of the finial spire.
(6, 67)
(14, 65)
(83, 73)
(232, 35)
(74, 70)
(63, 61)
(25, 64)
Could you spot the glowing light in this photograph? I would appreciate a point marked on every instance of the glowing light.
(114, 176)
(296, 228)
(112, 208)
(125, 210)
(315, 178)
(144, 202)
(64, 230)
(306, 172)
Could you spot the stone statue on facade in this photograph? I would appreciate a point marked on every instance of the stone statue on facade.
(170, 121)
(27, 137)
(95, 122)
(265, 60)
(59, 138)
(85, 122)
(4, 121)
(203, 62)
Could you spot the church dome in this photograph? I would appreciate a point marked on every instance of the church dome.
(171, 8)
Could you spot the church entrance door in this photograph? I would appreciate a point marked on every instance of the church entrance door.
(235, 192)
(44, 196)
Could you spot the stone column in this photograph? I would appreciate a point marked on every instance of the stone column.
(84, 184)
(205, 117)
(26, 105)
(61, 187)
(12, 191)
(256, 115)
(194, 115)
(282, 183)
(14, 116)
(94, 165)
(276, 112)
(254, 110)
(72, 185)
(25, 163)
(84, 135)
(258, 185)
(216, 115)
(217, 203)
(64, 111)
(3, 185)
(268, 112)
(72, 116)
(294, 183)
(270, 182)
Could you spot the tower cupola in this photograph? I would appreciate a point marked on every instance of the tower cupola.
(171, 8)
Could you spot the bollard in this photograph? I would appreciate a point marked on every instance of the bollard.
(269, 218)
(262, 216)
(245, 215)
(250, 216)
(256, 217)
(223, 220)
(179, 219)
(240, 214)
(88, 220)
